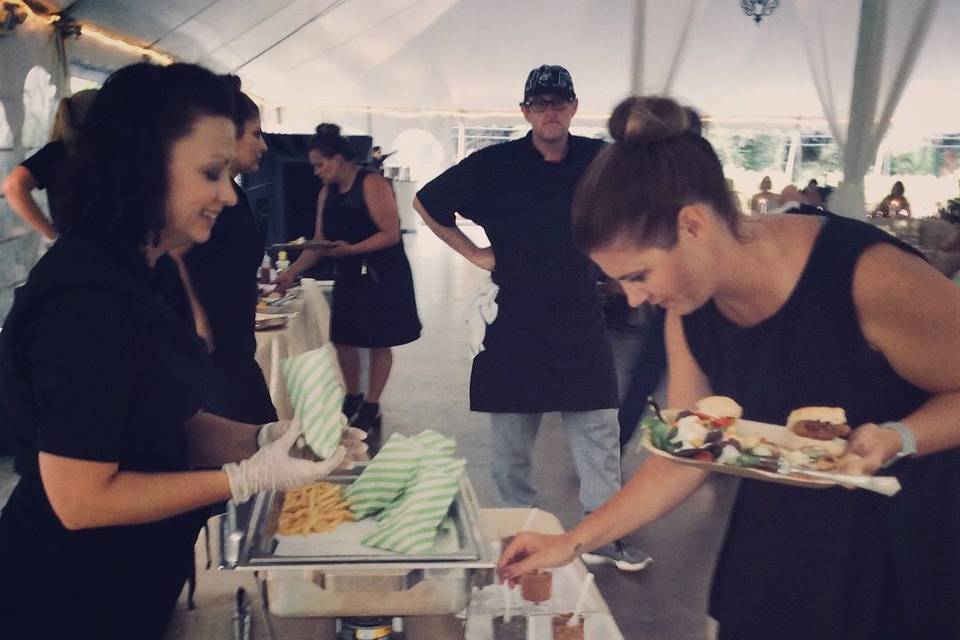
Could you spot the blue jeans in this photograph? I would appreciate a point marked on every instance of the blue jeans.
(594, 438)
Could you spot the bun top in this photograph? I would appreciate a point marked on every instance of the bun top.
(650, 119)
(830, 415)
(328, 130)
(719, 407)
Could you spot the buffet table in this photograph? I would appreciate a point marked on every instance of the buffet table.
(308, 326)
(216, 595)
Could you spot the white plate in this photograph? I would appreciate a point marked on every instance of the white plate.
(773, 433)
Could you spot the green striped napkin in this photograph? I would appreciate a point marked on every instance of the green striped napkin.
(434, 445)
(413, 524)
(316, 394)
(385, 477)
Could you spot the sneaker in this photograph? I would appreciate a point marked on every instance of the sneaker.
(623, 555)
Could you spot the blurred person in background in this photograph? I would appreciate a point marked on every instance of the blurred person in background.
(765, 200)
(895, 204)
(373, 305)
(42, 170)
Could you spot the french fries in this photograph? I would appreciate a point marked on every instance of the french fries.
(315, 508)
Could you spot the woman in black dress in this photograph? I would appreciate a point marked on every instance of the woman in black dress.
(373, 300)
(780, 312)
(102, 383)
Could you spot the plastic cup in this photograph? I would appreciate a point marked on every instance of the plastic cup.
(536, 587)
(562, 632)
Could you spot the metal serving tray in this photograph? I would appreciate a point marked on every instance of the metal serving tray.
(247, 538)
(374, 583)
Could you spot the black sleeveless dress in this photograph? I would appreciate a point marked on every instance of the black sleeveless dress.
(830, 563)
(373, 302)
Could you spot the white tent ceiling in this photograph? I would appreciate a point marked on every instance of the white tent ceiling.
(472, 55)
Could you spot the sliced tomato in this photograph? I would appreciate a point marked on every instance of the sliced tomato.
(703, 456)
(722, 423)
(714, 423)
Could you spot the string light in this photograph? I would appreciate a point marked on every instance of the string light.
(98, 35)
(400, 112)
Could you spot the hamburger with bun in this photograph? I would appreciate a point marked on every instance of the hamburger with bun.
(819, 423)
(719, 407)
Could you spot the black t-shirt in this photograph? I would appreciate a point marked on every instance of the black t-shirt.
(523, 204)
(547, 349)
(94, 366)
(46, 167)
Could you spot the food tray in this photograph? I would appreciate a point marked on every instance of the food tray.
(264, 322)
(773, 433)
(366, 583)
(248, 537)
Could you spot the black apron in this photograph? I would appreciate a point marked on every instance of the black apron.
(547, 349)
(373, 304)
(830, 563)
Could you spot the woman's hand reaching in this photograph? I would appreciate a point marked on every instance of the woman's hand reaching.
(284, 280)
(530, 551)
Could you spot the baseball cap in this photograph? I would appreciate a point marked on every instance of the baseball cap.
(548, 78)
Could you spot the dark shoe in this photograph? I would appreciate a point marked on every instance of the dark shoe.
(367, 417)
(350, 405)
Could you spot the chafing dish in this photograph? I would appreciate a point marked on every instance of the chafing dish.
(363, 582)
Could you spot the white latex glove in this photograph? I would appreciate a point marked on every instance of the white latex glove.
(352, 439)
(273, 467)
(271, 432)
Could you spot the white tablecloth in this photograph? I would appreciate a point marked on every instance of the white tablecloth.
(308, 327)
(216, 590)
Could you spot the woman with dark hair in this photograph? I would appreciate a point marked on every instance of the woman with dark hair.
(373, 299)
(222, 275)
(765, 200)
(101, 382)
(781, 312)
(41, 170)
(894, 204)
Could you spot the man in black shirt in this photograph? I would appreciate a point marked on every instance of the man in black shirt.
(546, 350)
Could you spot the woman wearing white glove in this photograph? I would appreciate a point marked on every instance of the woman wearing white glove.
(105, 415)
(352, 439)
(273, 467)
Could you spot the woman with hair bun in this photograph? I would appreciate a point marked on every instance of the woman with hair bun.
(373, 298)
(779, 312)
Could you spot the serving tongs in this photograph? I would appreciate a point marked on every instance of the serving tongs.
(885, 485)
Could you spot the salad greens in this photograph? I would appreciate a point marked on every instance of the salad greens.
(661, 434)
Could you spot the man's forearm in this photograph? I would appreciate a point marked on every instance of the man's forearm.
(451, 236)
